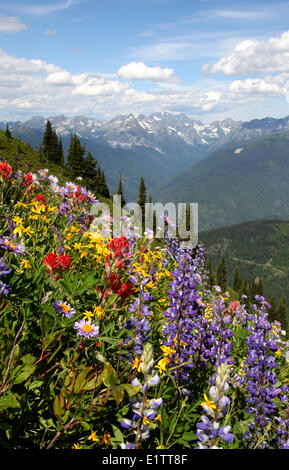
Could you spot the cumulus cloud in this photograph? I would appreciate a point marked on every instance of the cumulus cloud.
(140, 71)
(254, 57)
(11, 24)
(15, 65)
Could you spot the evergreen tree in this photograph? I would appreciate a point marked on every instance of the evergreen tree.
(75, 156)
(273, 312)
(120, 191)
(282, 314)
(237, 280)
(60, 152)
(90, 173)
(142, 198)
(208, 267)
(47, 139)
(7, 132)
(222, 274)
(260, 288)
(103, 186)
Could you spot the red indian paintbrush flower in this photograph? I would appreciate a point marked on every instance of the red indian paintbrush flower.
(5, 172)
(56, 262)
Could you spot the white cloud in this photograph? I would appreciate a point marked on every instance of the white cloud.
(59, 78)
(15, 65)
(140, 71)
(11, 24)
(42, 10)
(254, 57)
(99, 86)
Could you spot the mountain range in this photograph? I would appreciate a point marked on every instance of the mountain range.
(235, 170)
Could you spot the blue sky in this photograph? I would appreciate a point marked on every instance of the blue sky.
(99, 58)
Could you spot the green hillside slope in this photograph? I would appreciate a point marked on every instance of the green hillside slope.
(258, 249)
(233, 185)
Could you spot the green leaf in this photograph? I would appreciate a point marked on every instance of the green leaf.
(9, 401)
(58, 405)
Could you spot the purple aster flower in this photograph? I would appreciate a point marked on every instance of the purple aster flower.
(15, 248)
(86, 329)
(64, 308)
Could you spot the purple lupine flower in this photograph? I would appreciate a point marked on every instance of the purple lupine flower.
(5, 288)
(4, 270)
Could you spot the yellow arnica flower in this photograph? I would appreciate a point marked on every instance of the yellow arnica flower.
(136, 364)
(93, 437)
(209, 403)
(17, 220)
(162, 364)
(99, 311)
(105, 439)
(88, 314)
(76, 446)
(25, 264)
(167, 350)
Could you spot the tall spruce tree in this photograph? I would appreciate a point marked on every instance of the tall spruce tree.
(7, 132)
(75, 157)
(50, 145)
(90, 172)
(120, 191)
(60, 152)
(237, 282)
(282, 314)
(273, 312)
(222, 274)
(142, 197)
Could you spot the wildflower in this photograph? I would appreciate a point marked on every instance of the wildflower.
(64, 308)
(162, 364)
(105, 439)
(56, 262)
(208, 403)
(86, 328)
(87, 314)
(4, 269)
(5, 288)
(5, 172)
(136, 364)
(99, 311)
(93, 437)
(76, 446)
(11, 246)
(25, 264)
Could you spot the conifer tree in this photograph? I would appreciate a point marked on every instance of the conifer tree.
(90, 173)
(120, 191)
(60, 152)
(260, 288)
(222, 274)
(7, 132)
(208, 267)
(282, 314)
(273, 312)
(142, 198)
(237, 280)
(75, 156)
